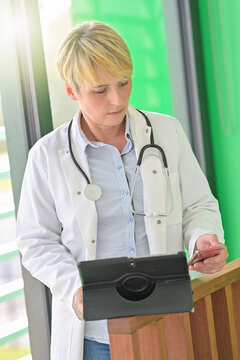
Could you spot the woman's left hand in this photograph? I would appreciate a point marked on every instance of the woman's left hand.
(212, 264)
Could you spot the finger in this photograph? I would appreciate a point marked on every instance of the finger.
(213, 260)
(225, 251)
(210, 265)
(204, 241)
(79, 308)
(79, 315)
(214, 240)
(77, 302)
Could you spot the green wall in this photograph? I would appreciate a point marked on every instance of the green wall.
(220, 30)
(140, 23)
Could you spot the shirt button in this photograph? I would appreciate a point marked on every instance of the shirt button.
(132, 250)
(119, 167)
(130, 220)
(93, 241)
(125, 193)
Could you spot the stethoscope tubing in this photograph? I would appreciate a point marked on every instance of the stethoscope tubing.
(139, 161)
(145, 147)
(72, 155)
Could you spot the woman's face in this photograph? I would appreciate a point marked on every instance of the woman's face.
(104, 105)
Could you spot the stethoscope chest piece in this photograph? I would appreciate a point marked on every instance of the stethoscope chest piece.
(92, 192)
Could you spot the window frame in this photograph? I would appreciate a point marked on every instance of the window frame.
(27, 117)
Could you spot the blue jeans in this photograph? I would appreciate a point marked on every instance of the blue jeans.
(94, 350)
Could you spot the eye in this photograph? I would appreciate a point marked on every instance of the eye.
(123, 83)
(100, 91)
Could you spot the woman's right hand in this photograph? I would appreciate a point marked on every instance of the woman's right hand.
(78, 303)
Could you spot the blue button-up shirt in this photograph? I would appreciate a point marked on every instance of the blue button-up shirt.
(119, 233)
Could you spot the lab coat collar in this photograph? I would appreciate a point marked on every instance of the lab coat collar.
(139, 130)
(128, 134)
(78, 135)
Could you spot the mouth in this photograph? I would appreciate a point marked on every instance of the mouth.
(115, 112)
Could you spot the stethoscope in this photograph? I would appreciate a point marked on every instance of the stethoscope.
(93, 191)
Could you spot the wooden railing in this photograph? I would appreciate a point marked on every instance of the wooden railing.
(211, 332)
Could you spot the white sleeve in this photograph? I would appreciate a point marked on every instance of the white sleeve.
(39, 236)
(200, 208)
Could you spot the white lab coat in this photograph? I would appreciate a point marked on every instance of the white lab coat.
(57, 225)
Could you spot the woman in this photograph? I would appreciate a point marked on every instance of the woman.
(61, 221)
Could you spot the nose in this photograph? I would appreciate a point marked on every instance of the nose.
(115, 96)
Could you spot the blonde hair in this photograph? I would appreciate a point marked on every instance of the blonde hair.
(90, 49)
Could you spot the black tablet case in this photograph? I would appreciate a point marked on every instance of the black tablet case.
(124, 286)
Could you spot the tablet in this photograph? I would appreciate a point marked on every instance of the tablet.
(125, 286)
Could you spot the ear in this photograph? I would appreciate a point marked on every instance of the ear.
(70, 92)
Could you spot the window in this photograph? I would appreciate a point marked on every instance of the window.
(14, 340)
(133, 20)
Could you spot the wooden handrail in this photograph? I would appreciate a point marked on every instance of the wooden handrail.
(207, 284)
(211, 332)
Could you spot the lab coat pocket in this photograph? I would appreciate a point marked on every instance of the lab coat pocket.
(176, 215)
